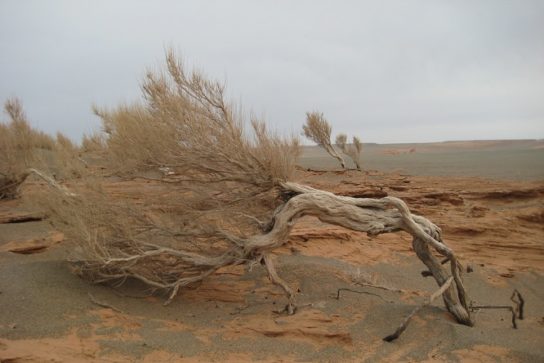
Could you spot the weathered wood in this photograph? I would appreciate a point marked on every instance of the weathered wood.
(373, 216)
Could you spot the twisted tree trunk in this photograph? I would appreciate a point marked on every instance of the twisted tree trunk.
(373, 216)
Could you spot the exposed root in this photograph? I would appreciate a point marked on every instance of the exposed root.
(381, 287)
(406, 321)
(501, 307)
(337, 297)
(517, 311)
(520, 303)
(291, 306)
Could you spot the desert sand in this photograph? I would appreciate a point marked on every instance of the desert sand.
(491, 214)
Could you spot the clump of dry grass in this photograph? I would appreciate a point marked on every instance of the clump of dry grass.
(318, 129)
(353, 150)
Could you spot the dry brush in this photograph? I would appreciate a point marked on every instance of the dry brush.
(216, 194)
(19, 146)
(353, 150)
(318, 129)
(25, 151)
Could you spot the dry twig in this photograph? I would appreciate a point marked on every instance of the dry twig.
(357, 292)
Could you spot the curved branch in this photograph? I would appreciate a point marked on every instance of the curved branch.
(373, 216)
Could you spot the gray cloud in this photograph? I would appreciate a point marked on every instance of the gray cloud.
(388, 71)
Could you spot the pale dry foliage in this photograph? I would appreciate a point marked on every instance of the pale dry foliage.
(19, 148)
(353, 150)
(63, 142)
(25, 151)
(185, 124)
(209, 179)
(318, 129)
(66, 160)
(194, 192)
(93, 143)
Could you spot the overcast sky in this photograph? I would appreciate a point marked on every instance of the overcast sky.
(387, 71)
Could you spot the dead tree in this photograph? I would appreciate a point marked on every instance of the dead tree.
(353, 151)
(228, 200)
(318, 129)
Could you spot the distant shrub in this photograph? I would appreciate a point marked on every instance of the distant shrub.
(23, 148)
(318, 129)
(17, 144)
(353, 150)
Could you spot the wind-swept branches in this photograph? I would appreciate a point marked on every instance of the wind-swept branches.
(318, 129)
(225, 198)
(19, 148)
(185, 124)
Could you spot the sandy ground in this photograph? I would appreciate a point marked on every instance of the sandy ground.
(47, 314)
(502, 159)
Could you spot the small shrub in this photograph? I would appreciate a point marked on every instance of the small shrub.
(18, 142)
(353, 151)
(23, 148)
(318, 129)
